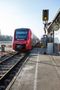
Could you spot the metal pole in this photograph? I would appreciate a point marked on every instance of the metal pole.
(45, 27)
(53, 41)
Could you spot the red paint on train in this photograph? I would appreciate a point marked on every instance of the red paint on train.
(22, 39)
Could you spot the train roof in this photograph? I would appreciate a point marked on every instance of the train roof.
(22, 29)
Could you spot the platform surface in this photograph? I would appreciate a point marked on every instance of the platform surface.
(41, 72)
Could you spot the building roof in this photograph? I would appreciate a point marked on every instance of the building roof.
(55, 24)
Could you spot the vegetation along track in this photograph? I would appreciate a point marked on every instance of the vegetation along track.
(9, 67)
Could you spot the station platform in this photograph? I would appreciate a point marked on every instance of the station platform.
(41, 72)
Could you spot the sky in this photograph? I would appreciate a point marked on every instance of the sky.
(25, 13)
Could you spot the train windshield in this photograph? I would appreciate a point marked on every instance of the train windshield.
(21, 34)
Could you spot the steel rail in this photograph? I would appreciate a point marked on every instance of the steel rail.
(15, 63)
(7, 64)
(6, 57)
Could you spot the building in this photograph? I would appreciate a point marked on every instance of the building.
(54, 32)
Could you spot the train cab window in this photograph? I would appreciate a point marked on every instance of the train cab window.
(21, 34)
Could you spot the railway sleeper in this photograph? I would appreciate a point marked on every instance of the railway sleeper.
(2, 72)
(4, 66)
(8, 63)
(5, 69)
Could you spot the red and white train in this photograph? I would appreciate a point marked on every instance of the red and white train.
(24, 39)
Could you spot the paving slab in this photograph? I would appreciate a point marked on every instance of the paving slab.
(41, 72)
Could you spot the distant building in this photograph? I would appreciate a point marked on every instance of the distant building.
(5, 38)
(0, 32)
(54, 31)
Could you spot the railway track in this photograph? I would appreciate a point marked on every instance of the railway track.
(9, 67)
(5, 57)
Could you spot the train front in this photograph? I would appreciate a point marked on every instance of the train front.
(21, 39)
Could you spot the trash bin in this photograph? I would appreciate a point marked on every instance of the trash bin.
(3, 48)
